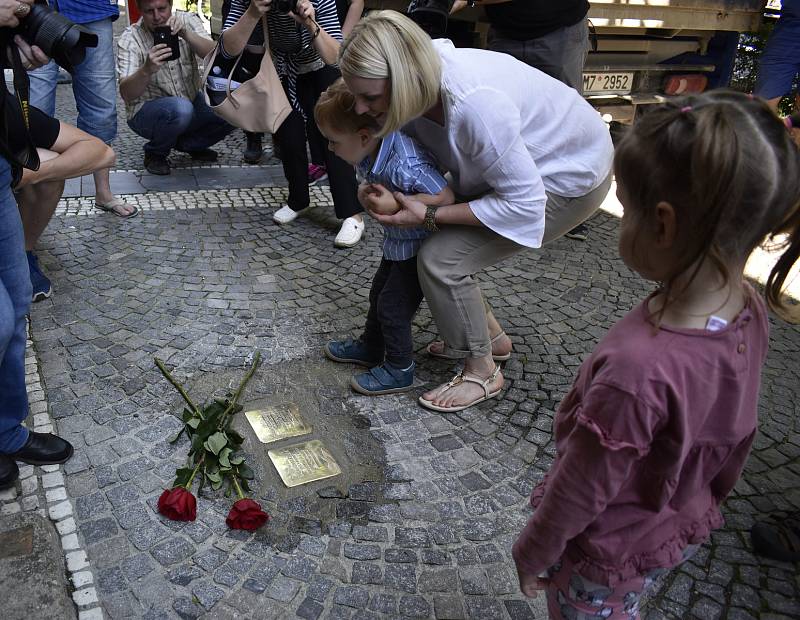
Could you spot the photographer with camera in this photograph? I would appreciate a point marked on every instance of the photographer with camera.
(304, 38)
(162, 94)
(528, 156)
(16, 442)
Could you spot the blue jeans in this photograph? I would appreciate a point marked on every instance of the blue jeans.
(15, 301)
(94, 84)
(175, 122)
(780, 62)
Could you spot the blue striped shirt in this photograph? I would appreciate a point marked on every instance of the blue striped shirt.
(85, 11)
(402, 165)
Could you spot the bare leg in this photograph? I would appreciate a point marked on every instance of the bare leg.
(501, 344)
(103, 194)
(37, 203)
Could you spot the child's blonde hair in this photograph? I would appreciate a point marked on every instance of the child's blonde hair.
(388, 45)
(731, 171)
(336, 109)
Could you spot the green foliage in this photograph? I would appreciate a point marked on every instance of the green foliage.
(213, 444)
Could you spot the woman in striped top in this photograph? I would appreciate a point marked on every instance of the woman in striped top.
(305, 46)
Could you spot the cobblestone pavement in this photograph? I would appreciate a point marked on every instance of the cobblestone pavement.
(203, 279)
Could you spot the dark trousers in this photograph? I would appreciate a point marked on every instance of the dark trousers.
(291, 139)
(393, 301)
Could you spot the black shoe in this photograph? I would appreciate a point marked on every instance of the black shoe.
(156, 163)
(9, 472)
(580, 232)
(205, 155)
(254, 151)
(43, 449)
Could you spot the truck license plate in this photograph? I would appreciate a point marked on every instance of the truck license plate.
(607, 83)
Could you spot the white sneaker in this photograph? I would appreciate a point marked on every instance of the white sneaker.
(349, 234)
(285, 214)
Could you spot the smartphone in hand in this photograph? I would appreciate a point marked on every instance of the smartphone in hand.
(163, 34)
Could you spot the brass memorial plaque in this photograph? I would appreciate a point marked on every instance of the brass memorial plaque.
(303, 463)
(277, 422)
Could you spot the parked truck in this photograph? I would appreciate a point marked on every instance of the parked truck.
(641, 50)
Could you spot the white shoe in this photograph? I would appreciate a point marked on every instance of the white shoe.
(349, 234)
(285, 214)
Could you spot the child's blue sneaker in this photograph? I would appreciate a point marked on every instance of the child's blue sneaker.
(351, 351)
(384, 379)
(42, 289)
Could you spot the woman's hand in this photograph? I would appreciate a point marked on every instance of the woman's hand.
(530, 585)
(11, 12)
(305, 14)
(411, 213)
(258, 8)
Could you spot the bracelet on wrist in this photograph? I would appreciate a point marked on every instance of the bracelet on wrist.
(429, 223)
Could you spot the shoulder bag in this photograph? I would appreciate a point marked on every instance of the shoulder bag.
(259, 104)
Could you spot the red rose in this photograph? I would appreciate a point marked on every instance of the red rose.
(178, 504)
(246, 514)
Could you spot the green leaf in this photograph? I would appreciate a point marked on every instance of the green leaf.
(216, 442)
(193, 422)
(216, 485)
(178, 436)
(245, 486)
(236, 460)
(213, 476)
(224, 455)
(235, 438)
(245, 472)
(187, 415)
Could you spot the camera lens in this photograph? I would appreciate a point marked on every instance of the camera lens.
(59, 38)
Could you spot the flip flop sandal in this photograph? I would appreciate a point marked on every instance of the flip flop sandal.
(111, 207)
(445, 356)
(457, 380)
(779, 541)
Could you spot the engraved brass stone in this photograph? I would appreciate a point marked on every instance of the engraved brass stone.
(278, 422)
(303, 463)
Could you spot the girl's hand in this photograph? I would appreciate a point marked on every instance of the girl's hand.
(305, 14)
(258, 8)
(530, 585)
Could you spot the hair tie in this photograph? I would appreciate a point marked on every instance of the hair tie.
(686, 108)
(788, 122)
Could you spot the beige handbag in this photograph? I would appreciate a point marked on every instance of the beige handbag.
(260, 103)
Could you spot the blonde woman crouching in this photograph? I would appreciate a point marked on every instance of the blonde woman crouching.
(529, 157)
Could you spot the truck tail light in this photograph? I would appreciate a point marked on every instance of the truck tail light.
(685, 84)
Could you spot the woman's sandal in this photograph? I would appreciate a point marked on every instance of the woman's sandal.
(442, 355)
(462, 378)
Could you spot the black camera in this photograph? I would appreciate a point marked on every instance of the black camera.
(286, 6)
(58, 37)
(431, 15)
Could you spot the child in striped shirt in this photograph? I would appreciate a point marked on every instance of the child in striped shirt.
(398, 163)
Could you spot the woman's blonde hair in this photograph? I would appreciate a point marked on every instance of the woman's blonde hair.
(388, 45)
